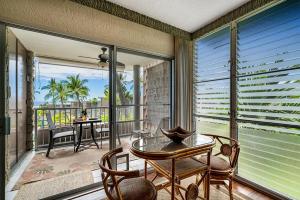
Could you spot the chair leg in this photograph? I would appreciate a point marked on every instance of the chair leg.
(50, 146)
(145, 169)
(74, 142)
(204, 186)
(119, 138)
(230, 189)
(101, 140)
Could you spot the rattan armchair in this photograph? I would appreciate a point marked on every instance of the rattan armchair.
(224, 162)
(124, 185)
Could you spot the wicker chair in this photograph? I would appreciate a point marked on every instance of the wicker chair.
(124, 185)
(224, 162)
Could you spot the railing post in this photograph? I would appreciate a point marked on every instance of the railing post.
(76, 113)
(35, 129)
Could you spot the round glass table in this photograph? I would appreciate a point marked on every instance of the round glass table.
(162, 148)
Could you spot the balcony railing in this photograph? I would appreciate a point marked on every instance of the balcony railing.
(63, 119)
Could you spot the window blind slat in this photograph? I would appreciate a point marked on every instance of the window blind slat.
(268, 90)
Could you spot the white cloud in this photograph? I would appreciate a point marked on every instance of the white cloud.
(46, 71)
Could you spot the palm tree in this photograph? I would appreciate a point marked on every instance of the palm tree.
(125, 96)
(51, 88)
(62, 92)
(94, 101)
(77, 88)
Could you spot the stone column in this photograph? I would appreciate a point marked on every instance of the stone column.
(30, 62)
(136, 96)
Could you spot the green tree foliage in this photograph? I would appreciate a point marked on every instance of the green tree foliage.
(77, 87)
(51, 91)
(94, 101)
(63, 92)
(124, 96)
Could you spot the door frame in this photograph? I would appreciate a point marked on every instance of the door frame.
(112, 98)
(3, 108)
(171, 60)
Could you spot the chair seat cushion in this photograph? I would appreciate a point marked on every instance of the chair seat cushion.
(63, 134)
(183, 168)
(136, 188)
(98, 130)
(216, 163)
(144, 131)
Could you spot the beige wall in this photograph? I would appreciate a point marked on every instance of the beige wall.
(72, 19)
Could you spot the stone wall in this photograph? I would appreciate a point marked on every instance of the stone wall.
(30, 62)
(157, 95)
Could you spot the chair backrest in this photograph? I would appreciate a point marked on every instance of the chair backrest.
(229, 148)
(161, 124)
(51, 125)
(110, 177)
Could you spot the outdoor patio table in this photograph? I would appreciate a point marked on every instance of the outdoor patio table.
(80, 122)
(162, 148)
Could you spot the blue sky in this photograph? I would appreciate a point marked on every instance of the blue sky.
(97, 79)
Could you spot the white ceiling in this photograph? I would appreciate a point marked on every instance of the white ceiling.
(44, 45)
(188, 15)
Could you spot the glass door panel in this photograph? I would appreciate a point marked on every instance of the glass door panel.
(21, 90)
(12, 70)
(69, 79)
(143, 98)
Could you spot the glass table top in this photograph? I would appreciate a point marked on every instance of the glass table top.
(162, 144)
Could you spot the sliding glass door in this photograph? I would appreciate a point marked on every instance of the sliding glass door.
(3, 109)
(12, 107)
(143, 97)
(17, 98)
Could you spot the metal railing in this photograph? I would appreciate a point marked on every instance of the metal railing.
(63, 119)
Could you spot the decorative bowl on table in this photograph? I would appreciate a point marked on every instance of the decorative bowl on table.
(177, 134)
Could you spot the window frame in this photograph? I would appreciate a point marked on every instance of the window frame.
(233, 119)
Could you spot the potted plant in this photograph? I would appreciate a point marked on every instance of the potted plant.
(84, 114)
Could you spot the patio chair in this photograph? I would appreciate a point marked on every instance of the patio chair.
(150, 132)
(224, 162)
(54, 134)
(103, 129)
(125, 185)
